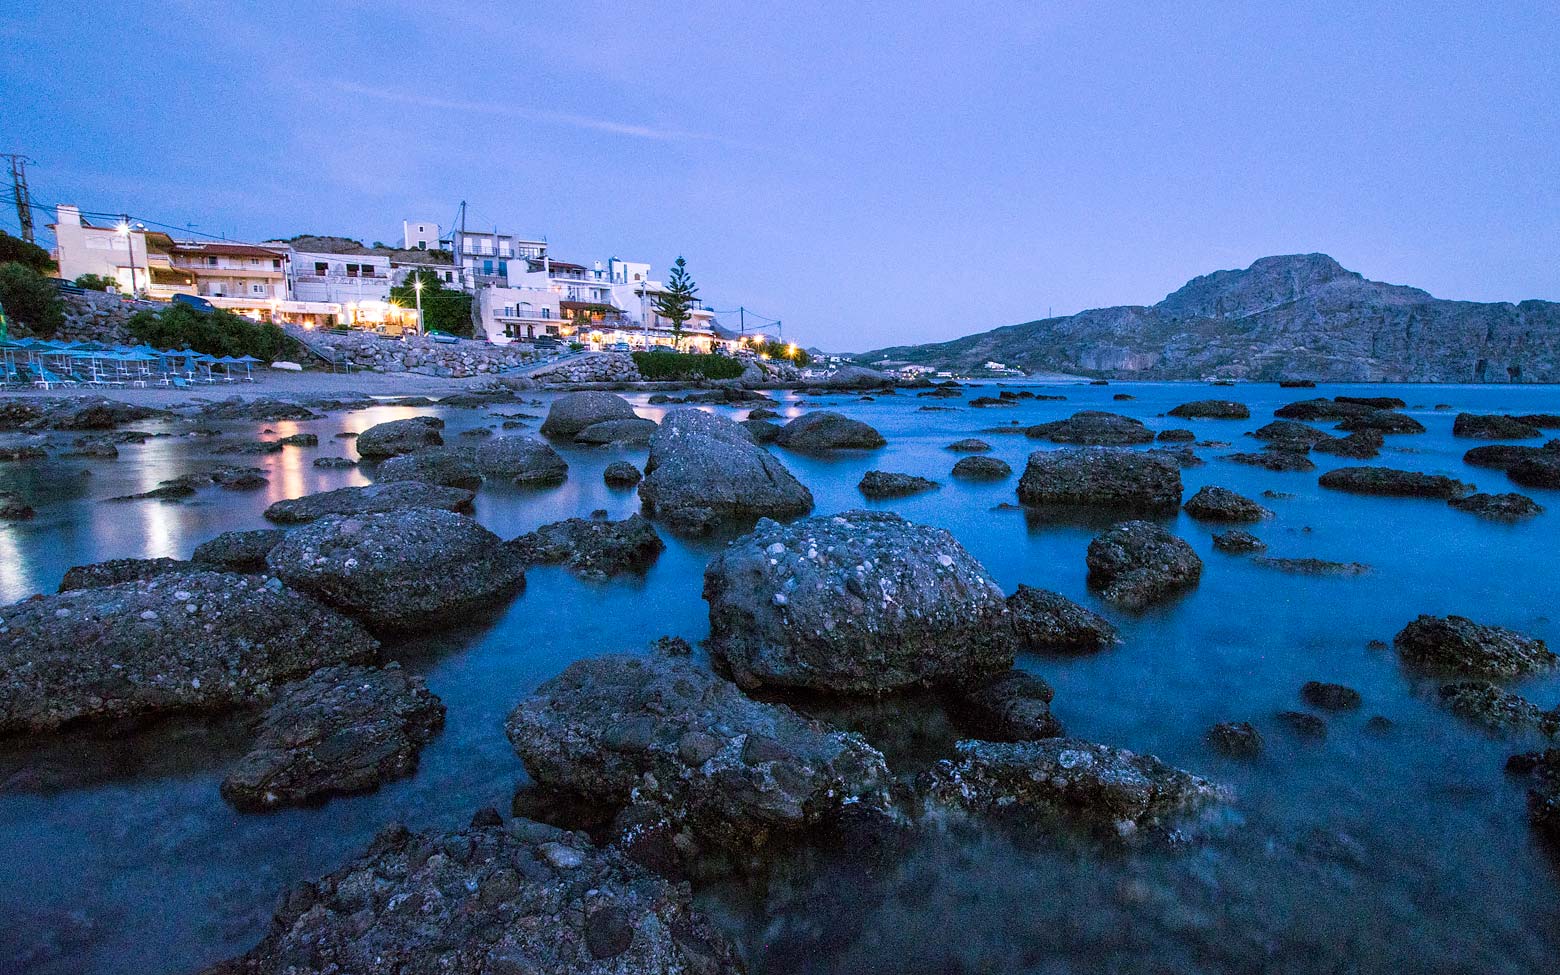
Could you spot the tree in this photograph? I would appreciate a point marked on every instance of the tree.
(443, 308)
(96, 282)
(675, 304)
(18, 250)
(30, 298)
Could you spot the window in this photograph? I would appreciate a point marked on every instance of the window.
(468, 245)
(257, 289)
(210, 261)
(487, 267)
(422, 245)
(449, 275)
(321, 268)
(254, 262)
(276, 265)
(352, 270)
(503, 267)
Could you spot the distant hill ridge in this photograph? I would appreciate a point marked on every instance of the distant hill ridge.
(1291, 316)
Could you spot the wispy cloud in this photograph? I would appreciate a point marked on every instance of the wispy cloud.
(499, 109)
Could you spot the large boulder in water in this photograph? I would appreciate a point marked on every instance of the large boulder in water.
(1101, 477)
(1213, 409)
(855, 377)
(1458, 645)
(1212, 503)
(407, 569)
(114, 571)
(594, 549)
(632, 432)
(665, 731)
(1048, 622)
(400, 437)
(1093, 427)
(704, 470)
(1015, 706)
(1540, 472)
(861, 602)
(395, 496)
(339, 731)
(981, 469)
(1504, 456)
(239, 551)
(493, 899)
(521, 459)
(448, 466)
(1322, 409)
(1493, 427)
(1499, 507)
(1382, 421)
(1395, 483)
(571, 413)
(190, 641)
(893, 484)
(1138, 563)
(826, 430)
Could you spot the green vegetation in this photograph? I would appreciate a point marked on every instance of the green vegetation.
(779, 350)
(676, 303)
(443, 309)
(684, 365)
(216, 332)
(30, 299)
(18, 250)
(96, 282)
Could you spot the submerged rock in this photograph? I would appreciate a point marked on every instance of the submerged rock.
(1281, 461)
(1322, 409)
(1360, 445)
(1330, 697)
(1102, 477)
(705, 470)
(399, 570)
(1303, 725)
(1105, 787)
(1496, 710)
(1221, 504)
(521, 459)
(1137, 563)
(1457, 644)
(400, 437)
(1093, 427)
(189, 641)
(859, 602)
(115, 571)
(1502, 456)
(340, 730)
(1395, 483)
(240, 551)
(1501, 507)
(1491, 427)
(1237, 541)
(1048, 622)
(395, 496)
(762, 431)
(1213, 409)
(1176, 436)
(1311, 567)
(1237, 739)
(1015, 706)
(825, 430)
(888, 484)
(969, 445)
(981, 469)
(665, 731)
(13, 507)
(620, 473)
(1374, 402)
(1382, 421)
(448, 466)
(1290, 432)
(1544, 797)
(595, 549)
(493, 899)
(573, 412)
(1540, 472)
(634, 431)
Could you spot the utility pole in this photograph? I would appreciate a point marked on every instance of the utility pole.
(124, 228)
(19, 190)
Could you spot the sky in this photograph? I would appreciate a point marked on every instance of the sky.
(871, 174)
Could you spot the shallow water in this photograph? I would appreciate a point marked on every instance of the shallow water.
(1408, 851)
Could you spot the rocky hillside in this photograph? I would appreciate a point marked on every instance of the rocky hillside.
(1295, 316)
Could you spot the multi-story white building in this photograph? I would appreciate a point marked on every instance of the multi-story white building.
(420, 235)
(485, 256)
(339, 277)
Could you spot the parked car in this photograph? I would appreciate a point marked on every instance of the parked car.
(195, 301)
(622, 347)
(440, 336)
(546, 343)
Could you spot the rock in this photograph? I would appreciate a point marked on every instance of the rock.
(1297, 383)
(1501, 507)
(1290, 432)
(339, 731)
(1304, 725)
(454, 467)
(1496, 710)
(1101, 477)
(239, 551)
(1503, 456)
(374, 498)
(1213, 409)
(981, 469)
(762, 431)
(263, 409)
(1014, 706)
(860, 602)
(96, 413)
(1093, 427)
(1395, 483)
(620, 473)
(825, 430)
(1048, 622)
(856, 377)
(888, 484)
(115, 571)
(1490, 427)
(400, 437)
(1456, 644)
(189, 641)
(1237, 541)
(301, 440)
(1273, 460)
(406, 569)
(13, 508)
(231, 446)
(1382, 421)
(488, 900)
(762, 413)
(99, 447)
(1360, 445)
(1176, 436)
(522, 459)
(1221, 504)
(573, 412)
(595, 549)
(1374, 402)
(1179, 456)
(1237, 739)
(704, 470)
(1330, 697)
(1322, 409)
(1137, 563)
(1547, 420)
(334, 462)
(633, 432)
(664, 731)
(165, 492)
(1101, 786)
(969, 445)
(1539, 472)
(1312, 567)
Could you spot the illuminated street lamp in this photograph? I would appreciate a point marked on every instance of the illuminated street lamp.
(417, 287)
(124, 231)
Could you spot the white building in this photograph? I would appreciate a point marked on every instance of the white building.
(485, 256)
(339, 278)
(420, 235)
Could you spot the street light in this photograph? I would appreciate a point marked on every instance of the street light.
(417, 287)
(124, 231)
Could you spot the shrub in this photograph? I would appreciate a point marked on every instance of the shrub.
(780, 350)
(18, 250)
(685, 365)
(218, 332)
(96, 282)
(30, 298)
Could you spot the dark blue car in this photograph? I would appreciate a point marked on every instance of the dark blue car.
(195, 301)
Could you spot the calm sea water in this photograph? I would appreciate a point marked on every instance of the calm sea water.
(1405, 851)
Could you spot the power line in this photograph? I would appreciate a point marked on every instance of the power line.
(19, 191)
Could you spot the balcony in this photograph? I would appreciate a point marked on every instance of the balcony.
(334, 276)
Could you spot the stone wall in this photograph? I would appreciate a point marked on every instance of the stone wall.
(416, 354)
(95, 316)
(599, 367)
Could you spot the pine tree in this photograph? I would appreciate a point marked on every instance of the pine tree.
(675, 304)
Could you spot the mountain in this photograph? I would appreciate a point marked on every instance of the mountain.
(1293, 316)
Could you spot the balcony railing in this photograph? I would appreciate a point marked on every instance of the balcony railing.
(338, 276)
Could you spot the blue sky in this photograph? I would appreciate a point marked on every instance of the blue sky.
(872, 174)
